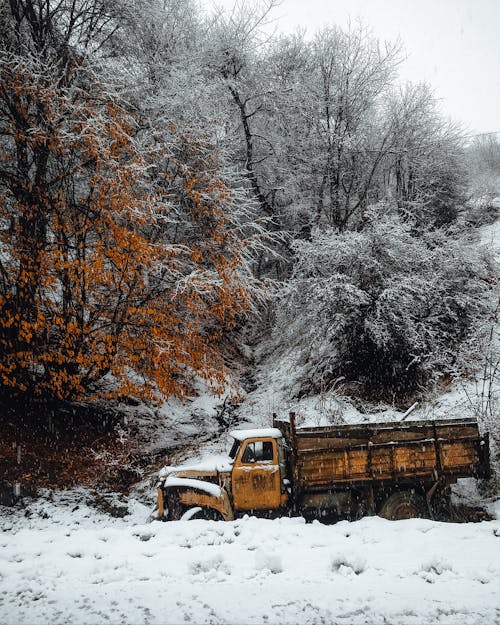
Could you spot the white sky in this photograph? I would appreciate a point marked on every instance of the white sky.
(452, 44)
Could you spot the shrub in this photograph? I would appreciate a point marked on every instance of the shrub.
(382, 307)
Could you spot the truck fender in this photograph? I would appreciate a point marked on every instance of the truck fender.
(191, 492)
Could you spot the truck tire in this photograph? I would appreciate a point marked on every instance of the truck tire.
(207, 514)
(404, 505)
(191, 513)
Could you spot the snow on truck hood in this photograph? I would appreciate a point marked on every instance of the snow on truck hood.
(210, 464)
(219, 463)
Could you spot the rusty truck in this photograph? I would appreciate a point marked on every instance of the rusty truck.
(397, 470)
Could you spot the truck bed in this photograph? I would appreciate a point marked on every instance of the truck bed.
(377, 452)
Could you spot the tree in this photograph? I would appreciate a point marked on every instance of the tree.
(483, 160)
(233, 58)
(352, 74)
(381, 307)
(124, 254)
(426, 169)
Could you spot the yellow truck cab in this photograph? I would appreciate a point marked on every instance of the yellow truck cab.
(252, 478)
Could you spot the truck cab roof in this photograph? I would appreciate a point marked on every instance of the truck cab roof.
(243, 435)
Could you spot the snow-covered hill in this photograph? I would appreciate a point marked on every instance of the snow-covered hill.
(63, 561)
(66, 563)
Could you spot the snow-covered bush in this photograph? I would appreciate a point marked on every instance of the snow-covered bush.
(382, 307)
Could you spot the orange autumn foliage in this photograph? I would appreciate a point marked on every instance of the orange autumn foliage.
(120, 264)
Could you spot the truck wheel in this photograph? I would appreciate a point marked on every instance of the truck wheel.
(403, 505)
(207, 514)
(191, 513)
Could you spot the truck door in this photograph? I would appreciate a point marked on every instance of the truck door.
(256, 476)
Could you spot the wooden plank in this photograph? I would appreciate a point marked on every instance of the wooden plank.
(294, 458)
(455, 454)
(306, 444)
(387, 451)
(384, 461)
(408, 444)
(424, 449)
(381, 461)
(410, 459)
(387, 435)
(400, 426)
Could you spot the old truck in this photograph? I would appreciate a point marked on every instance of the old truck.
(397, 470)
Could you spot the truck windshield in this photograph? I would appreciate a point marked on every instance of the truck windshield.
(234, 449)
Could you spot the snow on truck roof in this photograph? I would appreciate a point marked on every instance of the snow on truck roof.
(242, 435)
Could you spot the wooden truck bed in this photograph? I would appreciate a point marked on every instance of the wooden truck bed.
(422, 450)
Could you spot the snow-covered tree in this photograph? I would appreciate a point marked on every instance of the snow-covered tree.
(381, 307)
(483, 159)
(425, 169)
(352, 73)
(124, 251)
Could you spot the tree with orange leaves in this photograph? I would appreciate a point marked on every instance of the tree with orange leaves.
(122, 256)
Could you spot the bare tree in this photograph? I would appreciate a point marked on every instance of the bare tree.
(352, 74)
(426, 168)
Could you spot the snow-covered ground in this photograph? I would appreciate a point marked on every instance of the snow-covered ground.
(69, 564)
(64, 561)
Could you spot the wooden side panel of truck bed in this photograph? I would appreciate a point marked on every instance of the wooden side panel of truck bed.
(387, 451)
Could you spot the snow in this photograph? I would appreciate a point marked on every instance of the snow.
(243, 435)
(208, 463)
(61, 565)
(65, 562)
(183, 482)
(490, 234)
(264, 465)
